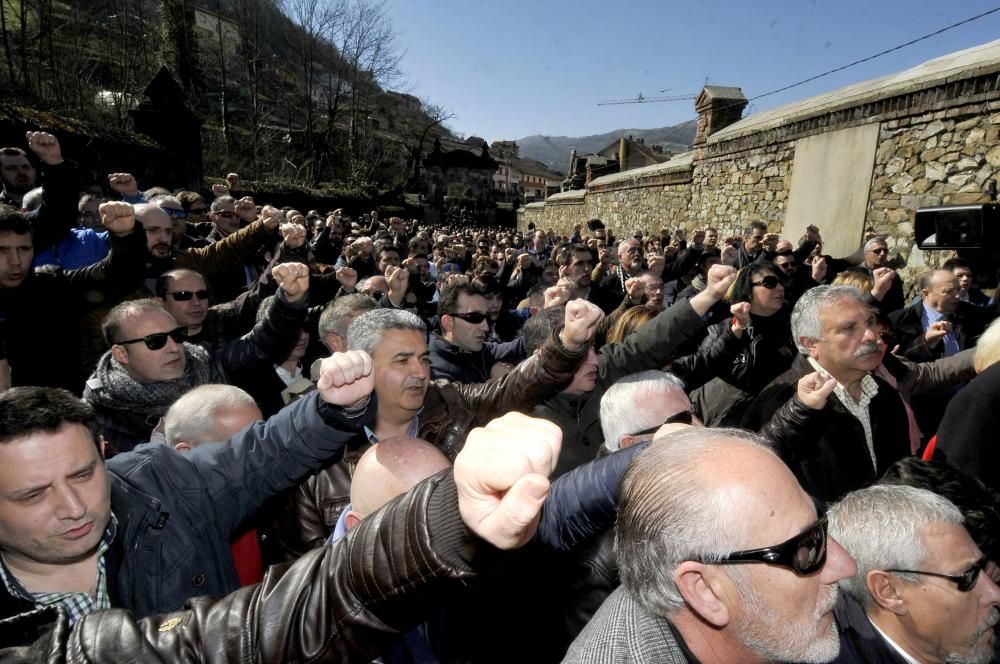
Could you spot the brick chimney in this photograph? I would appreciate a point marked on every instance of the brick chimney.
(717, 107)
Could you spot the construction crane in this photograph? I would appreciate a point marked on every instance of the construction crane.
(640, 99)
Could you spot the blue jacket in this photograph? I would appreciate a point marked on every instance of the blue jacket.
(79, 248)
(177, 511)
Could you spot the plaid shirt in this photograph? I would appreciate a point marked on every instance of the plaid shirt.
(76, 604)
(859, 409)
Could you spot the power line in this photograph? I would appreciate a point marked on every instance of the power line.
(640, 99)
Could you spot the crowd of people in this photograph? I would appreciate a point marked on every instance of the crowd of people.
(232, 432)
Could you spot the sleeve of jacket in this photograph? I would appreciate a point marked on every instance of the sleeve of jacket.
(269, 342)
(58, 211)
(546, 372)
(258, 462)
(584, 502)
(228, 253)
(508, 351)
(345, 602)
(652, 345)
(120, 272)
(923, 377)
(792, 426)
(715, 352)
(681, 265)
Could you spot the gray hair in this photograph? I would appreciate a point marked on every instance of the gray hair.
(883, 527)
(805, 315)
(878, 239)
(220, 201)
(669, 512)
(33, 199)
(622, 413)
(337, 315)
(367, 329)
(191, 419)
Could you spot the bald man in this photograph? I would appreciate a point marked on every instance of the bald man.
(387, 469)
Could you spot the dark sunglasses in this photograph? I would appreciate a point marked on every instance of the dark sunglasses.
(197, 210)
(880, 250)
(158, 340)
(633, 250)
(769, 282)
(226, 214)
(185, 295)
(682, 417)
(176, 214)
(965, 581)
(473, 317)
(803, 554)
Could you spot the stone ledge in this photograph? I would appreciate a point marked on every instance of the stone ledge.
(574, 197)
(676, 171)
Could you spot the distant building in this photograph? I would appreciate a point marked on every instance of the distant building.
(521, 180)
(632, 153)
(208, 25)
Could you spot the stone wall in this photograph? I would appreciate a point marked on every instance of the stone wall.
(938, 142)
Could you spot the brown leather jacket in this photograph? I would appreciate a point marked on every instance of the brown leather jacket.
(341, 603)
(307, 514)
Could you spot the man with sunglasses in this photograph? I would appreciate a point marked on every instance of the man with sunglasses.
(922, 591)
(150, 364)
(460, 351)
(723, 558)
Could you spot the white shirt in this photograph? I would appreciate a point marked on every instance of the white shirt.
(902, 653)
(287, 377)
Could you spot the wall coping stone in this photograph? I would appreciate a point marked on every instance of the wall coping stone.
(678, 164)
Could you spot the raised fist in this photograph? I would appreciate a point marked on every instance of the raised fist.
(45, 146)
(220, 190)
(292, 279)
(346, 379)
(272, 217)
(246, 209)
(741, 316)
(581, 321)
(233, 179)
(635, 288)
(771, 241)
(815, 388)
(883, 281)
(720, 278)
(347, 277)
(117, 217)
(123, 183)
(656, 263)
(398, 279)
(819, 268)
(294, 235)
(936, 331)
(558, 295)
(501, 476)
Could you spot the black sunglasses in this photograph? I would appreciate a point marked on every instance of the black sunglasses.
(185, 295)
(965, 581)
(681, 417)
(226, 214)
(158, 340)
(473, 317)
(177, 214)
(803, 554)
(769, 282)
(880, 250)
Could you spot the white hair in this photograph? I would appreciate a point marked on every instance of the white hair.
(622, 406)
(191, 419)
(669, 512)
(33, 199)
(883, 527)
(805, 315)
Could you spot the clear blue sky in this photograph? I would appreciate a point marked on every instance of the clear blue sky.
(513, 68)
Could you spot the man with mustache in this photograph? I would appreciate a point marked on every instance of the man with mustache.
(923, 591)
(836, 425)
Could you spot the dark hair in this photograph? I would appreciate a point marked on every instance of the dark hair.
(27, 410)
(111, 328)
(957, 261)
(754, 226)
(12, 152)
(448, 302)
(487, 285)
(564, 252)
(979, 504)
(12, 221)
(189, 198)
(541, 326)
(164, 280)
(389, 247)
(742, 288)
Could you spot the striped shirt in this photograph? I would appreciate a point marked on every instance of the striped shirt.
(859, 409)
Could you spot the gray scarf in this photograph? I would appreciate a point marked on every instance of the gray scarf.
(122, 392)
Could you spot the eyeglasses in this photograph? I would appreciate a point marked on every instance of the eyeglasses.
(803, 554)
(681, 417)
(473, 317)
(158, 340)
(965, 581)
(176, 214)
(633, 250)
(226, 214)
(185, 295)
(770, 282)
(197, 210)
(880, 250)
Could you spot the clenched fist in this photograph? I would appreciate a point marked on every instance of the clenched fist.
(346, 379)
(272, 217)
(293, 234)
(45, 146)
(246, 209)
(815, 388)
(292, 279)
(635, 288)
(348, 278)
(117, 217)
(581, 321)
(123, 183)
(502, 477)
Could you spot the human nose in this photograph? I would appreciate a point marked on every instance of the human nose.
(70, 506)
(839, 563)
(990, 590)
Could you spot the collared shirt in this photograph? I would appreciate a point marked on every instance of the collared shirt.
(892, 644)
(929, 316)
(76, 604)
(286, 376)
(859, 409)
(340, 530)
(413, 431)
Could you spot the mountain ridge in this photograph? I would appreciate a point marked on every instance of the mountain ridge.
(554, 150)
